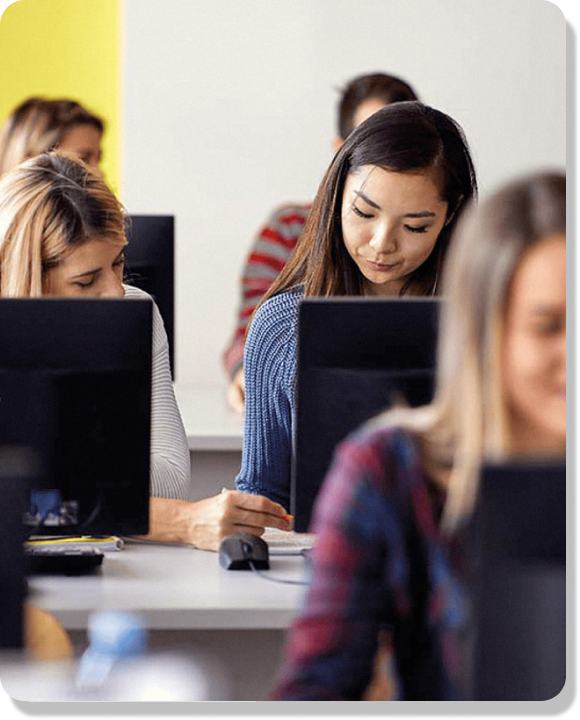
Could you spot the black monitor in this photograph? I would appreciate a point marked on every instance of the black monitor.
(149, 265)
(16, 473)
(356, 356)
(75, 386)
(520, 583)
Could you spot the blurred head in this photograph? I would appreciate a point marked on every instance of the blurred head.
(37, 126)
(366, 94)
(501, 383)
(533, 350)
(62, 231)
(411, 161)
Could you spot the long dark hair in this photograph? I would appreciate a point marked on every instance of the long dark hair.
(406, 136)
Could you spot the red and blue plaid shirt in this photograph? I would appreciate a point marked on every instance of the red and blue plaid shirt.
(380, 562)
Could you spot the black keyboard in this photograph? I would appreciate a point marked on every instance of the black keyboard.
(62, 561)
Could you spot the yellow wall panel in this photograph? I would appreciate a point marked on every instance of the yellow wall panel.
(66, 48)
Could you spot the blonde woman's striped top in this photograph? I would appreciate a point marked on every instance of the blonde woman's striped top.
(170, 468)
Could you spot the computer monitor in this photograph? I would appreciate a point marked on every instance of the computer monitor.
(519, 548)
(356, 356)
(149, 265)
(16, 474)
(75, 386)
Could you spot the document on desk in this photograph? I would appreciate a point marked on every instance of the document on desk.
(284, 542)
(111, 543)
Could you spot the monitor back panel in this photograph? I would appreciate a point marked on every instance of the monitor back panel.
(520, 590)
(149, 265)
(356, 357)
(16, 476)
(75, 385)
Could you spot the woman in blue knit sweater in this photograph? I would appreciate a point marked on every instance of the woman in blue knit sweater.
(380, 225)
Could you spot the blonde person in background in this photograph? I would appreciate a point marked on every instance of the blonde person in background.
(62, 234)
(38, 125)
(390, 514)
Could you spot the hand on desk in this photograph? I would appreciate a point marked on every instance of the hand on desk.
(205, 523)
(236, 394)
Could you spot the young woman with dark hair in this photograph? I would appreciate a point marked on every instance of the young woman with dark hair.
(273, 245)
(380, 225)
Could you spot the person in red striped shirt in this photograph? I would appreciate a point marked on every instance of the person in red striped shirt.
(276, 240)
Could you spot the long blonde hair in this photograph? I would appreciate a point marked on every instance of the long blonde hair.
(49, 205)
(466, 422)
(37, 126)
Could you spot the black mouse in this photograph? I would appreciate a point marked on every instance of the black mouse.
(241, 550)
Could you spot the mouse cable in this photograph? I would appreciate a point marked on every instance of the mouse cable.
(278, 580)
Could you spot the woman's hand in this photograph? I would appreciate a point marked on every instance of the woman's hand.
(230, 512)
(236, 394)
(204, 523)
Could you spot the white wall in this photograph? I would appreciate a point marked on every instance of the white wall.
(229, 109)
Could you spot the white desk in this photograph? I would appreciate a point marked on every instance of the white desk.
(174, 588)
(187, 599)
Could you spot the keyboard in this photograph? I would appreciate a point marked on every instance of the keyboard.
(61, 560)
(282, 542)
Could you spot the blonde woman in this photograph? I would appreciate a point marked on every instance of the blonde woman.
(62, 234)
(38, 125)
(391, 511)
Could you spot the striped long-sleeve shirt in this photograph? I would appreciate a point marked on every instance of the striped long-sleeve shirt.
(380, 561)
(270, 251)
(170, 466)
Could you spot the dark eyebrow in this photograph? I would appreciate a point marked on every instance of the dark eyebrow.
(93, 272)
(360, 193)
(422, 214)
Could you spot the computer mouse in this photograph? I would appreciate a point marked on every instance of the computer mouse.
(241, 550)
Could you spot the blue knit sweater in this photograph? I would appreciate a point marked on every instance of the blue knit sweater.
(270, 374)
